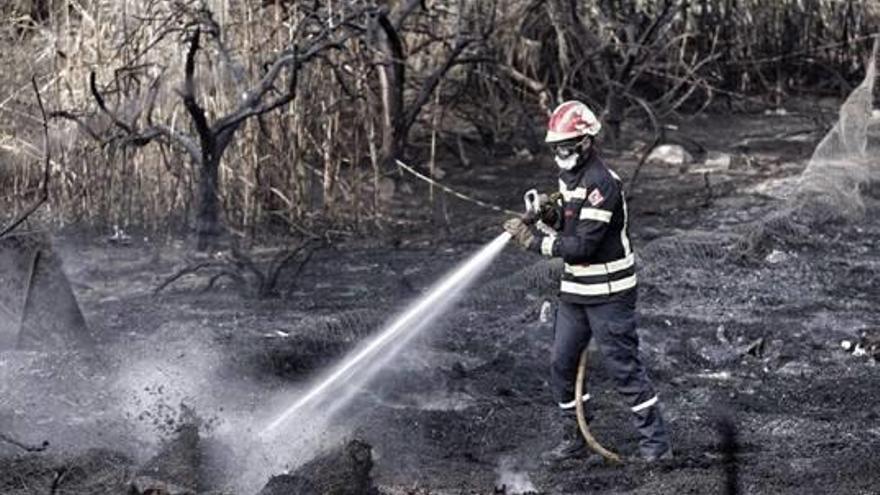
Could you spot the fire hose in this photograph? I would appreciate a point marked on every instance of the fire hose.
(452, 191)
(534, 203)
(533, 206)
(581, 418)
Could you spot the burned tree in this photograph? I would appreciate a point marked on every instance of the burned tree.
(321, 158)
(210, 136)
(359, 48)
(399, 115)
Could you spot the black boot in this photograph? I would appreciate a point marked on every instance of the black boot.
(655, 444)
(572, 446)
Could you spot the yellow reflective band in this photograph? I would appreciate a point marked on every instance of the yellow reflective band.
(644, 405)
(602, 289)
(547, 245)
(601, 268)
(569, 405)
(596, 214)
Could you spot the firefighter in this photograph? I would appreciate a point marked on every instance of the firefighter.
(597, 294)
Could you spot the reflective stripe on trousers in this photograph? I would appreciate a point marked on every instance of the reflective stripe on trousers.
(598, 289)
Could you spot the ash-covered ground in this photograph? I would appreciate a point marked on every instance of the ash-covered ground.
(746, 335)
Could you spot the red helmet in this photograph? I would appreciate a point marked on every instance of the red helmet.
(570, 120)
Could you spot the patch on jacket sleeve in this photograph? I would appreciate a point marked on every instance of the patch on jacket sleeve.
(595, 198)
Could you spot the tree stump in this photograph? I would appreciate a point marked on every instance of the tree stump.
(342, 471)
(177, 467)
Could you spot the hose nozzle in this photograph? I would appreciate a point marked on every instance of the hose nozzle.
(532, 199)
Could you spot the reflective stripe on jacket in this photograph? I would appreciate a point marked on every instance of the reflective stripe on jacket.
(593, 237)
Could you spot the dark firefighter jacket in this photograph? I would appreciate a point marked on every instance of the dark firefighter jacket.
(592, 235)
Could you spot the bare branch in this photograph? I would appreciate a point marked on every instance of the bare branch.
(404, 10)
(251, 102)
(392, 77)
(99, 99)
(78, 120)
(433, 80)
(133, 137)
(181, 139)
(189, 270)
(281, 261)
(151, 97)
(533, 85)
(291, 57)
(26, 447)
(658, 136)
(47, 168)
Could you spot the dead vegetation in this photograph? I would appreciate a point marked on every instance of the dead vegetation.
(252, 278)
(222, 116)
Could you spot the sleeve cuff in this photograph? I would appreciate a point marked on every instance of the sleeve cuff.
(543, 244)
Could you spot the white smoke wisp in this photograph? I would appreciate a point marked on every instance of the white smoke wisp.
(511, 479)
(356, 369)
(176, 368)
(181, 365)
(253, 459)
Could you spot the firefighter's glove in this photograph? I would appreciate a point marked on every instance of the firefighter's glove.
(549, 210)
(520, 232)
(549, 214)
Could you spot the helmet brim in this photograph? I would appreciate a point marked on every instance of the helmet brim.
(556, 137)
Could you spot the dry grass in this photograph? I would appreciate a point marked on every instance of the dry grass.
(317, 160)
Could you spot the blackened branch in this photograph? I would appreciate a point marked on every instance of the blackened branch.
(102, 104)
(47, 170)
(26, 447)
(78, 120)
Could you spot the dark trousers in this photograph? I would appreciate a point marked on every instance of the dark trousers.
(614, 326)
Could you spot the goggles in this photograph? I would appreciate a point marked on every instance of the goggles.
(565, 149)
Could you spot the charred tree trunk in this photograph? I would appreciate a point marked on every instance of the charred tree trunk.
(392, 78)
(208, 226)
(615, 105)
(399, 116)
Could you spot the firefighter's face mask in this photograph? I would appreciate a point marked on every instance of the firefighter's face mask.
(566, 153)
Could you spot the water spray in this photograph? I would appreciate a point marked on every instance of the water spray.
(361, 364)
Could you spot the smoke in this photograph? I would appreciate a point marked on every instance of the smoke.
(159, 378)
(253, 459)
(181, 371)
(512, 480)
(300, 423)
(140, 392)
